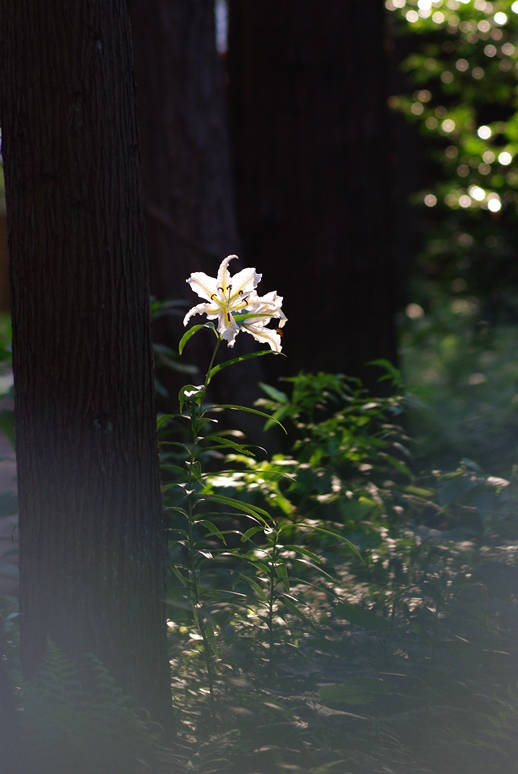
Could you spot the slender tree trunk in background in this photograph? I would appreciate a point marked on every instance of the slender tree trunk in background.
(188, 186)
(92, 540)
(308, 113)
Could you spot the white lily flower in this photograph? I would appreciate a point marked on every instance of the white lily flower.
(225, 295)
(264, 309)
(231, 301)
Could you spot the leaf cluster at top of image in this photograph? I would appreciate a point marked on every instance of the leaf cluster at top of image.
(458, 64)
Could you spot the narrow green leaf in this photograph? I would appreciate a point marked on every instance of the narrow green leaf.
(329, 533)
(398, 465)
(163, 418)
(357, 690)
(211, 637)
(418, 491)
(247, 315)
(183, 580)
(274, 393)
(255, 586)
(292, 607)
(176, 509)
(173, 485)
(240, 359)
(217, 442)
(212, 528)
(259, 513)
(191, 392)
(252, 411)
(250, 533)
(259, 566)
(282, 573)
(304, 552)
(190, 333)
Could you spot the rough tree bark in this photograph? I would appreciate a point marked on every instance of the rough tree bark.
(92, 540)
(310, 134)
(188, 185)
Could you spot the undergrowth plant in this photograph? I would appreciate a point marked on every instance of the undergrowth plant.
(235, 304)
(395, 643)
(255, 549)
(397, 655)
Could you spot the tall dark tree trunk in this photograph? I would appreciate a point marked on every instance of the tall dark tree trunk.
(92, 541)
(188, 185)
(310, 133)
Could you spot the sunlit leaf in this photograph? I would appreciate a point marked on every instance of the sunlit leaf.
(357, 690)
(259, 513)
(191, 393)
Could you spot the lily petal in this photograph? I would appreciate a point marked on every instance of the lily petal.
(228, 328)
(223, 278)
(203, 285)
(245, 282)
(263, 335)
(210, 310)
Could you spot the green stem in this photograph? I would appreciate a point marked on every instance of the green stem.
(271, 606)
(196, 413)
(211, 365)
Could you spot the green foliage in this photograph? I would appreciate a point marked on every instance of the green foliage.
(349, 460)
(458, 88)
(334, 608)
(324, 661)
(463, 70)
(201, 517)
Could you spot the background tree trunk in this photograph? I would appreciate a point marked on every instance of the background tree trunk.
(188, 185)
(310, 135)
(92, 540)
